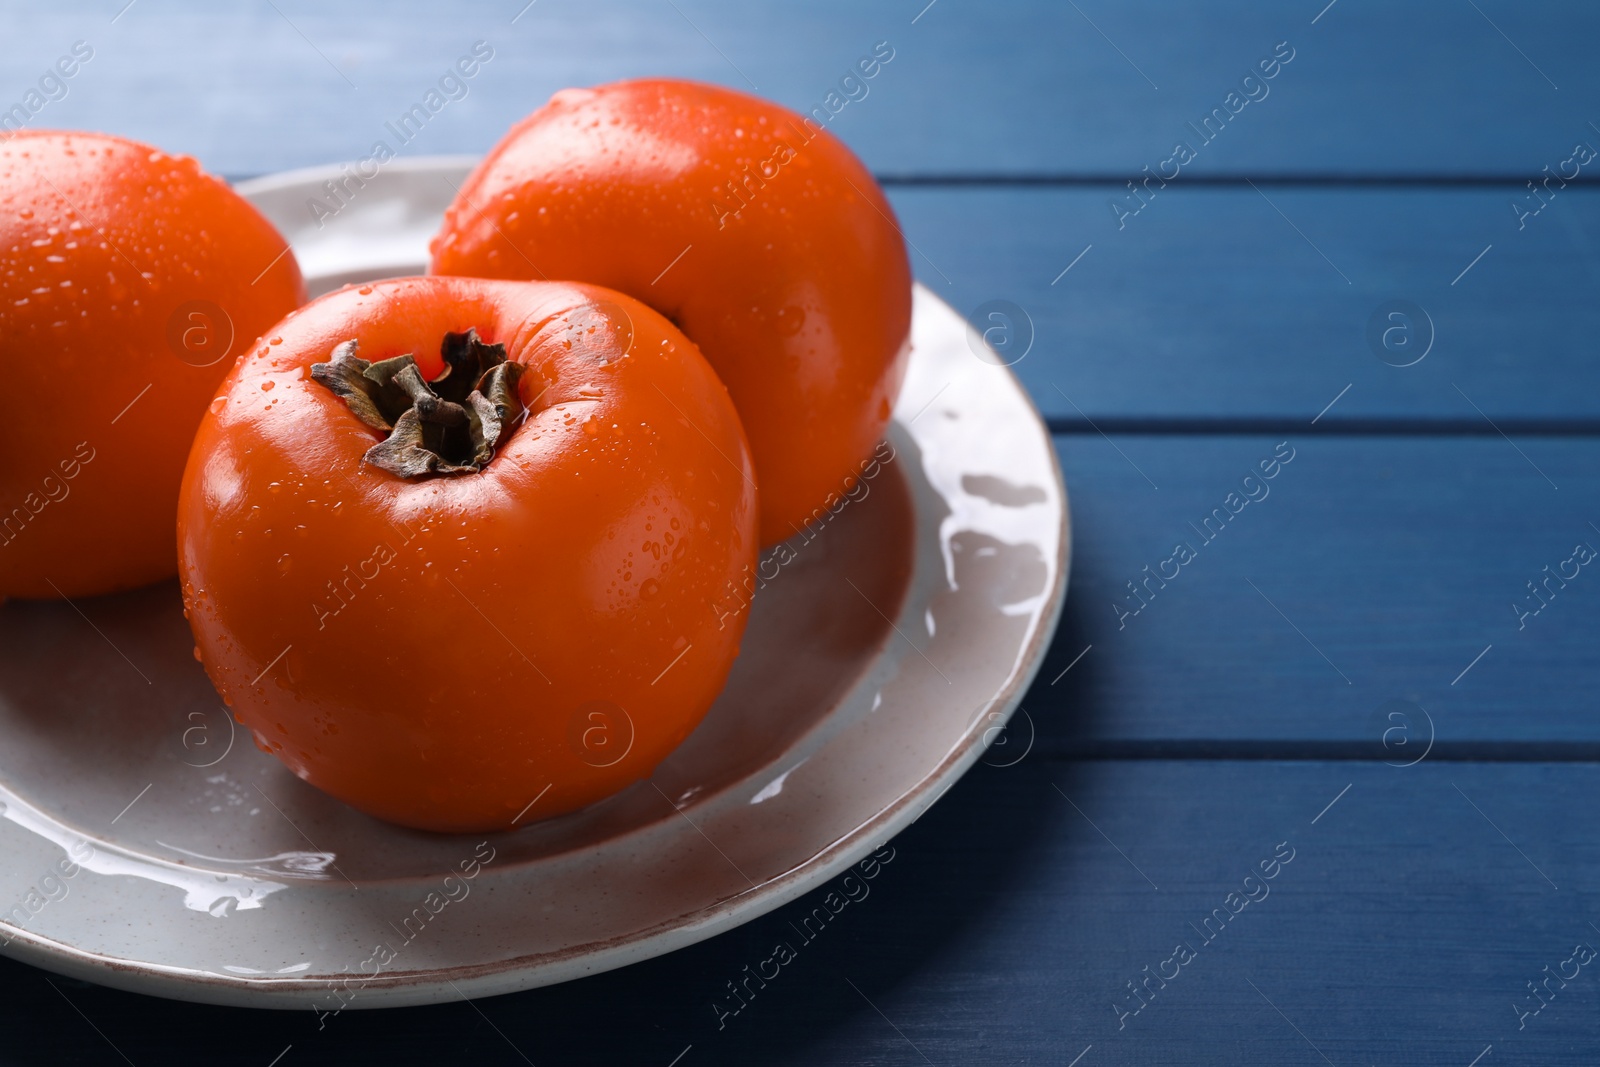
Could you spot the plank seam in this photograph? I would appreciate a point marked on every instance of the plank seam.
(1231, 181)
(1333, 426)
(1244, 751)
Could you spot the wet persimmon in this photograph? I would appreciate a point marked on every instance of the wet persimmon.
(451, 547)
(749, 226)
(129, 279)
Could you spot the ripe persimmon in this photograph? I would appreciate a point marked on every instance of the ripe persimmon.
(749, 226)
(129, 279)
(451, 547)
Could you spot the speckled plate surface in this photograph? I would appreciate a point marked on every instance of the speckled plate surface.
(145, 844)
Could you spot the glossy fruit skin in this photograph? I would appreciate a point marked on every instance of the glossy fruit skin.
(122, 269)
(450, 639)
(793, 277)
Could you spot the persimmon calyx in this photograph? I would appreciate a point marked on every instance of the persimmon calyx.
(449, 425)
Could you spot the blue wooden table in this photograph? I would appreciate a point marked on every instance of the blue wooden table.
(1323, 794)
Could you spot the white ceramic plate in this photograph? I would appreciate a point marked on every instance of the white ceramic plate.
(143, 844)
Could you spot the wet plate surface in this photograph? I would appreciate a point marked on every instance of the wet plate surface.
(148, 844)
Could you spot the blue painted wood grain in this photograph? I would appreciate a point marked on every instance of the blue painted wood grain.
(1235, 303)
(1368, 570)
(1006, 928)
(1096, 87)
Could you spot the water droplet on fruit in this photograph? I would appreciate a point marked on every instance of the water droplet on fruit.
(365, 290)
(649, 589)
(199, 658)
(266, 387)
(284, 564)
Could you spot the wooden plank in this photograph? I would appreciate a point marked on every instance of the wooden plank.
(1006, 928)
(1370, 570)
(1290, 277)
(1098, 87)
(1211, 305)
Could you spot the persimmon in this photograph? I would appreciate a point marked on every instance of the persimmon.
(749, 226)
(128, 278)
(450, 547)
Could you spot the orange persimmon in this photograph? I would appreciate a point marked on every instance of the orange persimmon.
(128, 280)
(451, 546)
(749, 226)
